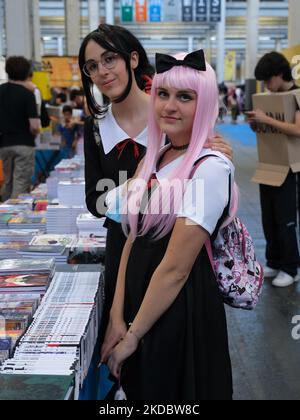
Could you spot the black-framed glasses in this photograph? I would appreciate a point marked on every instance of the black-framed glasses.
(108, 61)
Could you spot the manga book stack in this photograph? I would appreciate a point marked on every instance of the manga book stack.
(22, 283)
(63, 333)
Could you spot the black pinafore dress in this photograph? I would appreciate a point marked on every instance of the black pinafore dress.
(185, 355)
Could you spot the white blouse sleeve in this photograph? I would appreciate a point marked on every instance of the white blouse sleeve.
(114, 202)
(207, 193)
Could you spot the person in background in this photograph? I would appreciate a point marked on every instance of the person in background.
(278, 204)
(19, 125)
(234, 106)
(240, 93)
(78, 103)
(59, 99)
(77, 99)
(222, 106)
(69, 133)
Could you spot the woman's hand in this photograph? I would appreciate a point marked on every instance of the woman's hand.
(121, 352)
(218, 144)
(115, 332)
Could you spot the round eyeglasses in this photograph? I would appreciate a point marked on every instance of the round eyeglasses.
(108, 61)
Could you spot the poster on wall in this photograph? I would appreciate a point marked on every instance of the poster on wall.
(42, 80)
(187, 10)
(230, 67)
(154, 10)
(127, 10)
(141, 10)
(171, 11)
(201, 10)
(64, 71)
(215, 10)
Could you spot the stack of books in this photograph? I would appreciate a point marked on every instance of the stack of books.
(4, 219)
(90, 243)
(36, 214)
(62, 218)
(89, 225)
(52, 183)
(10, 249)
(24, 235)
(7, 213)
(54, 180)
(63, 333)
(16, 311)
(58, 252)
(70, 168)
(24, 222)
(26, 275)
(12, 241)
(68, 241)
(20, 203)
(71, 192)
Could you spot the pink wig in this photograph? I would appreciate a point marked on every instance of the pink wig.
(156, 221)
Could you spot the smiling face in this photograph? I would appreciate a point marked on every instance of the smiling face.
(112, 82)
(175, 110)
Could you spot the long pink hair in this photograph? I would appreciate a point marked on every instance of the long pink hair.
(205, 85)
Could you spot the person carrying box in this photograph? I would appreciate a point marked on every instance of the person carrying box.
(278, 192)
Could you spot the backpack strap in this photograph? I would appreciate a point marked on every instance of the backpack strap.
(227, 208)
(198, 163)
(225, 213)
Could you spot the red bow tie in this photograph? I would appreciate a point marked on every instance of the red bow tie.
(152, 181)
(121, 146)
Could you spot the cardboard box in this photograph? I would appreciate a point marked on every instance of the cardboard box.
(277, 152)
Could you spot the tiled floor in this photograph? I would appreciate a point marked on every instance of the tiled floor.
(265, 357)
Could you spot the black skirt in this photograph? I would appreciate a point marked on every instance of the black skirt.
(115, 242)
(185, 355)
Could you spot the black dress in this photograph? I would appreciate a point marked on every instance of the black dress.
(99, 166)
(185, 354)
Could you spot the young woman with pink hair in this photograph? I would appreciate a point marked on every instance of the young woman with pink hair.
(115, 137)
(167, 334)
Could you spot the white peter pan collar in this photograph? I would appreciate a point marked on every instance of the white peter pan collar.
(112, 134)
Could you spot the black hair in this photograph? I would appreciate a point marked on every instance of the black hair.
(67, 108)
(273, 64)
(74, 93)
(18, 68)
(62, 96)
(119, 40)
